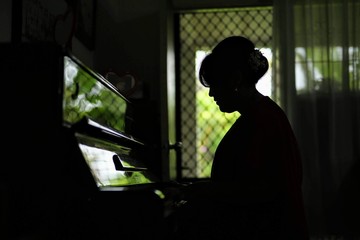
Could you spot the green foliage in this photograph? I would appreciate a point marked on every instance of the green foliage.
(212, 125)
(85, 96)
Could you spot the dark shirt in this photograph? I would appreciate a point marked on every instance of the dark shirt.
(260, 159)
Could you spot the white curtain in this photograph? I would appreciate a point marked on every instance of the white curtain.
(317, 82)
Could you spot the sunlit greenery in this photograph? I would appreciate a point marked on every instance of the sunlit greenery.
(85, 96)
(212, 125)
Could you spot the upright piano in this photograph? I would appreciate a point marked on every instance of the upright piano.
(71, 168)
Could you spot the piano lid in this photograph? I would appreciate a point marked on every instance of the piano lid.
(87, 94)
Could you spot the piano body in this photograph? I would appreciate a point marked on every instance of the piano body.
(71, 169)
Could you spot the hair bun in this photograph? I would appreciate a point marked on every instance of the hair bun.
(258, 63)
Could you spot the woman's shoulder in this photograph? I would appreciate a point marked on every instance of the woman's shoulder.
(270, 114)
(268, 107)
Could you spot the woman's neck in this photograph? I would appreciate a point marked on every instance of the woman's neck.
(249, 100)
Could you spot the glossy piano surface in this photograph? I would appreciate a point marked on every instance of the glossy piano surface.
(75, 170)
(87, 94)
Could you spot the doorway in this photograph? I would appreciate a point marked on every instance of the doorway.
(200, 124)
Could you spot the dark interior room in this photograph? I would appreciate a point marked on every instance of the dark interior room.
(107, 121)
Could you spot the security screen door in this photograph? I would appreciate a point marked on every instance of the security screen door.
(201, 125)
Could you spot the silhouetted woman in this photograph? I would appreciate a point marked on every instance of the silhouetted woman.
(255, 187)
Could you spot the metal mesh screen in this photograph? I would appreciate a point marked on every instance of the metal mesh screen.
(202, 124)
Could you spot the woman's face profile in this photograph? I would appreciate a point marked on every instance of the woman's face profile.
(223, 91)
(229, 90)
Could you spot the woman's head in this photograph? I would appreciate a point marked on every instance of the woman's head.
(234, 55)
(231, 71)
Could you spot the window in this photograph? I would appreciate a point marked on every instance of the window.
(199, 116)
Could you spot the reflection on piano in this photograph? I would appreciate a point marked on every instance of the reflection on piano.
(73, 169)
